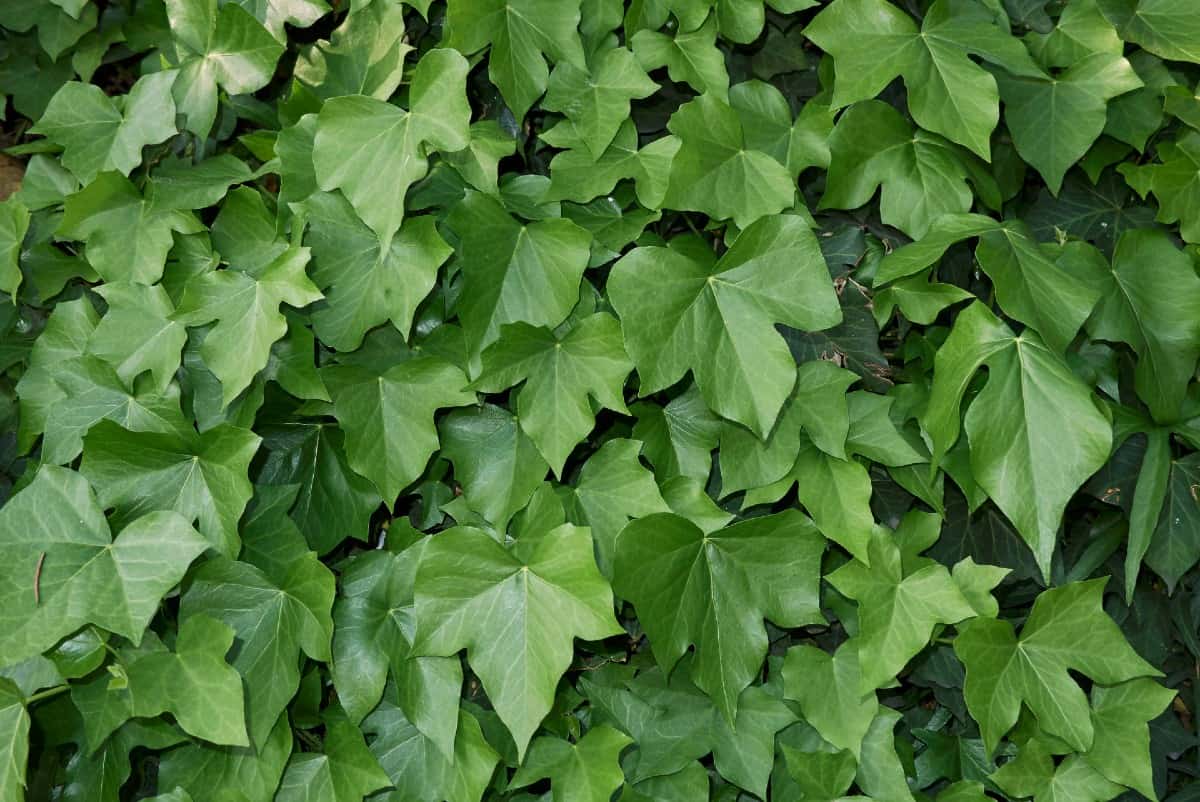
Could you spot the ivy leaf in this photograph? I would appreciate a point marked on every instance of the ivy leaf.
(714, 167)
(245, 304)
(1055, 120)
(1033, 773)
(829, 689)
(587, 771)
(1156, 325)
(872, 42)
(470, 591)
(613, 488)
(274, 14)
(363, 56)
(96, 135)
(681, 308)
(1034, 431)
(203, 477)
(388, 416)
(199, 768)
(419, 770)
(575, 175)
(561, 371)
(522, 34)
(712, 590)
(14, 223)
(597, 100)
(374, 625)
(1163, 27)
(898, 607)
(193, 683)
(920, 176)
(1030, 286)
(276, 611)
(690, 57)
(224, 48)
(333, 502)
(674, 723)
(14, 749)
(1067, 630)
(514, 273)
(1121, 747)
(137, 334)
(496, 463)
(127, 237)
(345, 772)
(56, 539)
(680, 436)
(366, 284)
(1172, 182)
(373, 151)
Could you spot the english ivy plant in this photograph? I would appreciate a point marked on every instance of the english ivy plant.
(592, 400)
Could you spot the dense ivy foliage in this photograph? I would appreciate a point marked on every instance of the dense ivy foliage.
(578, 400)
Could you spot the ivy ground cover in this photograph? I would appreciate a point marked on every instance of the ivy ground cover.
(586, 400)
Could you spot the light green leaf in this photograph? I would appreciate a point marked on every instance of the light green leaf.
(388, 416)
(679, 437)
(1035, 432)
(898, 607)
(203, 477)
(365, 284)
(276, 611)
(419, 770)
(587, 771)
(828, 688)
(127, 237)
(561, 372)
(523, 34)
(136, 334)
(194, 684)
(1167, 28)
(14, 746)
(374, 625)
(1033, 773)
(596, 100)
(872, 42)
(514, 273)
(98, 135)
(225, 48)
(373, 151)
(245, 304)
(516, 610)
(1029, 285)
(712, 590)
(920, 176)
(345, 772)
(58, 548)
(363, 56)
(714, 170)
(496, 463)
(240, 773)
(1121, 747)
(14, 223)
(1160, 326)
(1055, 120)
(1067, 630)
(691, 57)
(682, 308)
(612, 488)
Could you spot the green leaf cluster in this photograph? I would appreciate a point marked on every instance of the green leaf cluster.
(599, 400)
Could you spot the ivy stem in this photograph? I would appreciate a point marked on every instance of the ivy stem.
(46, 694)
